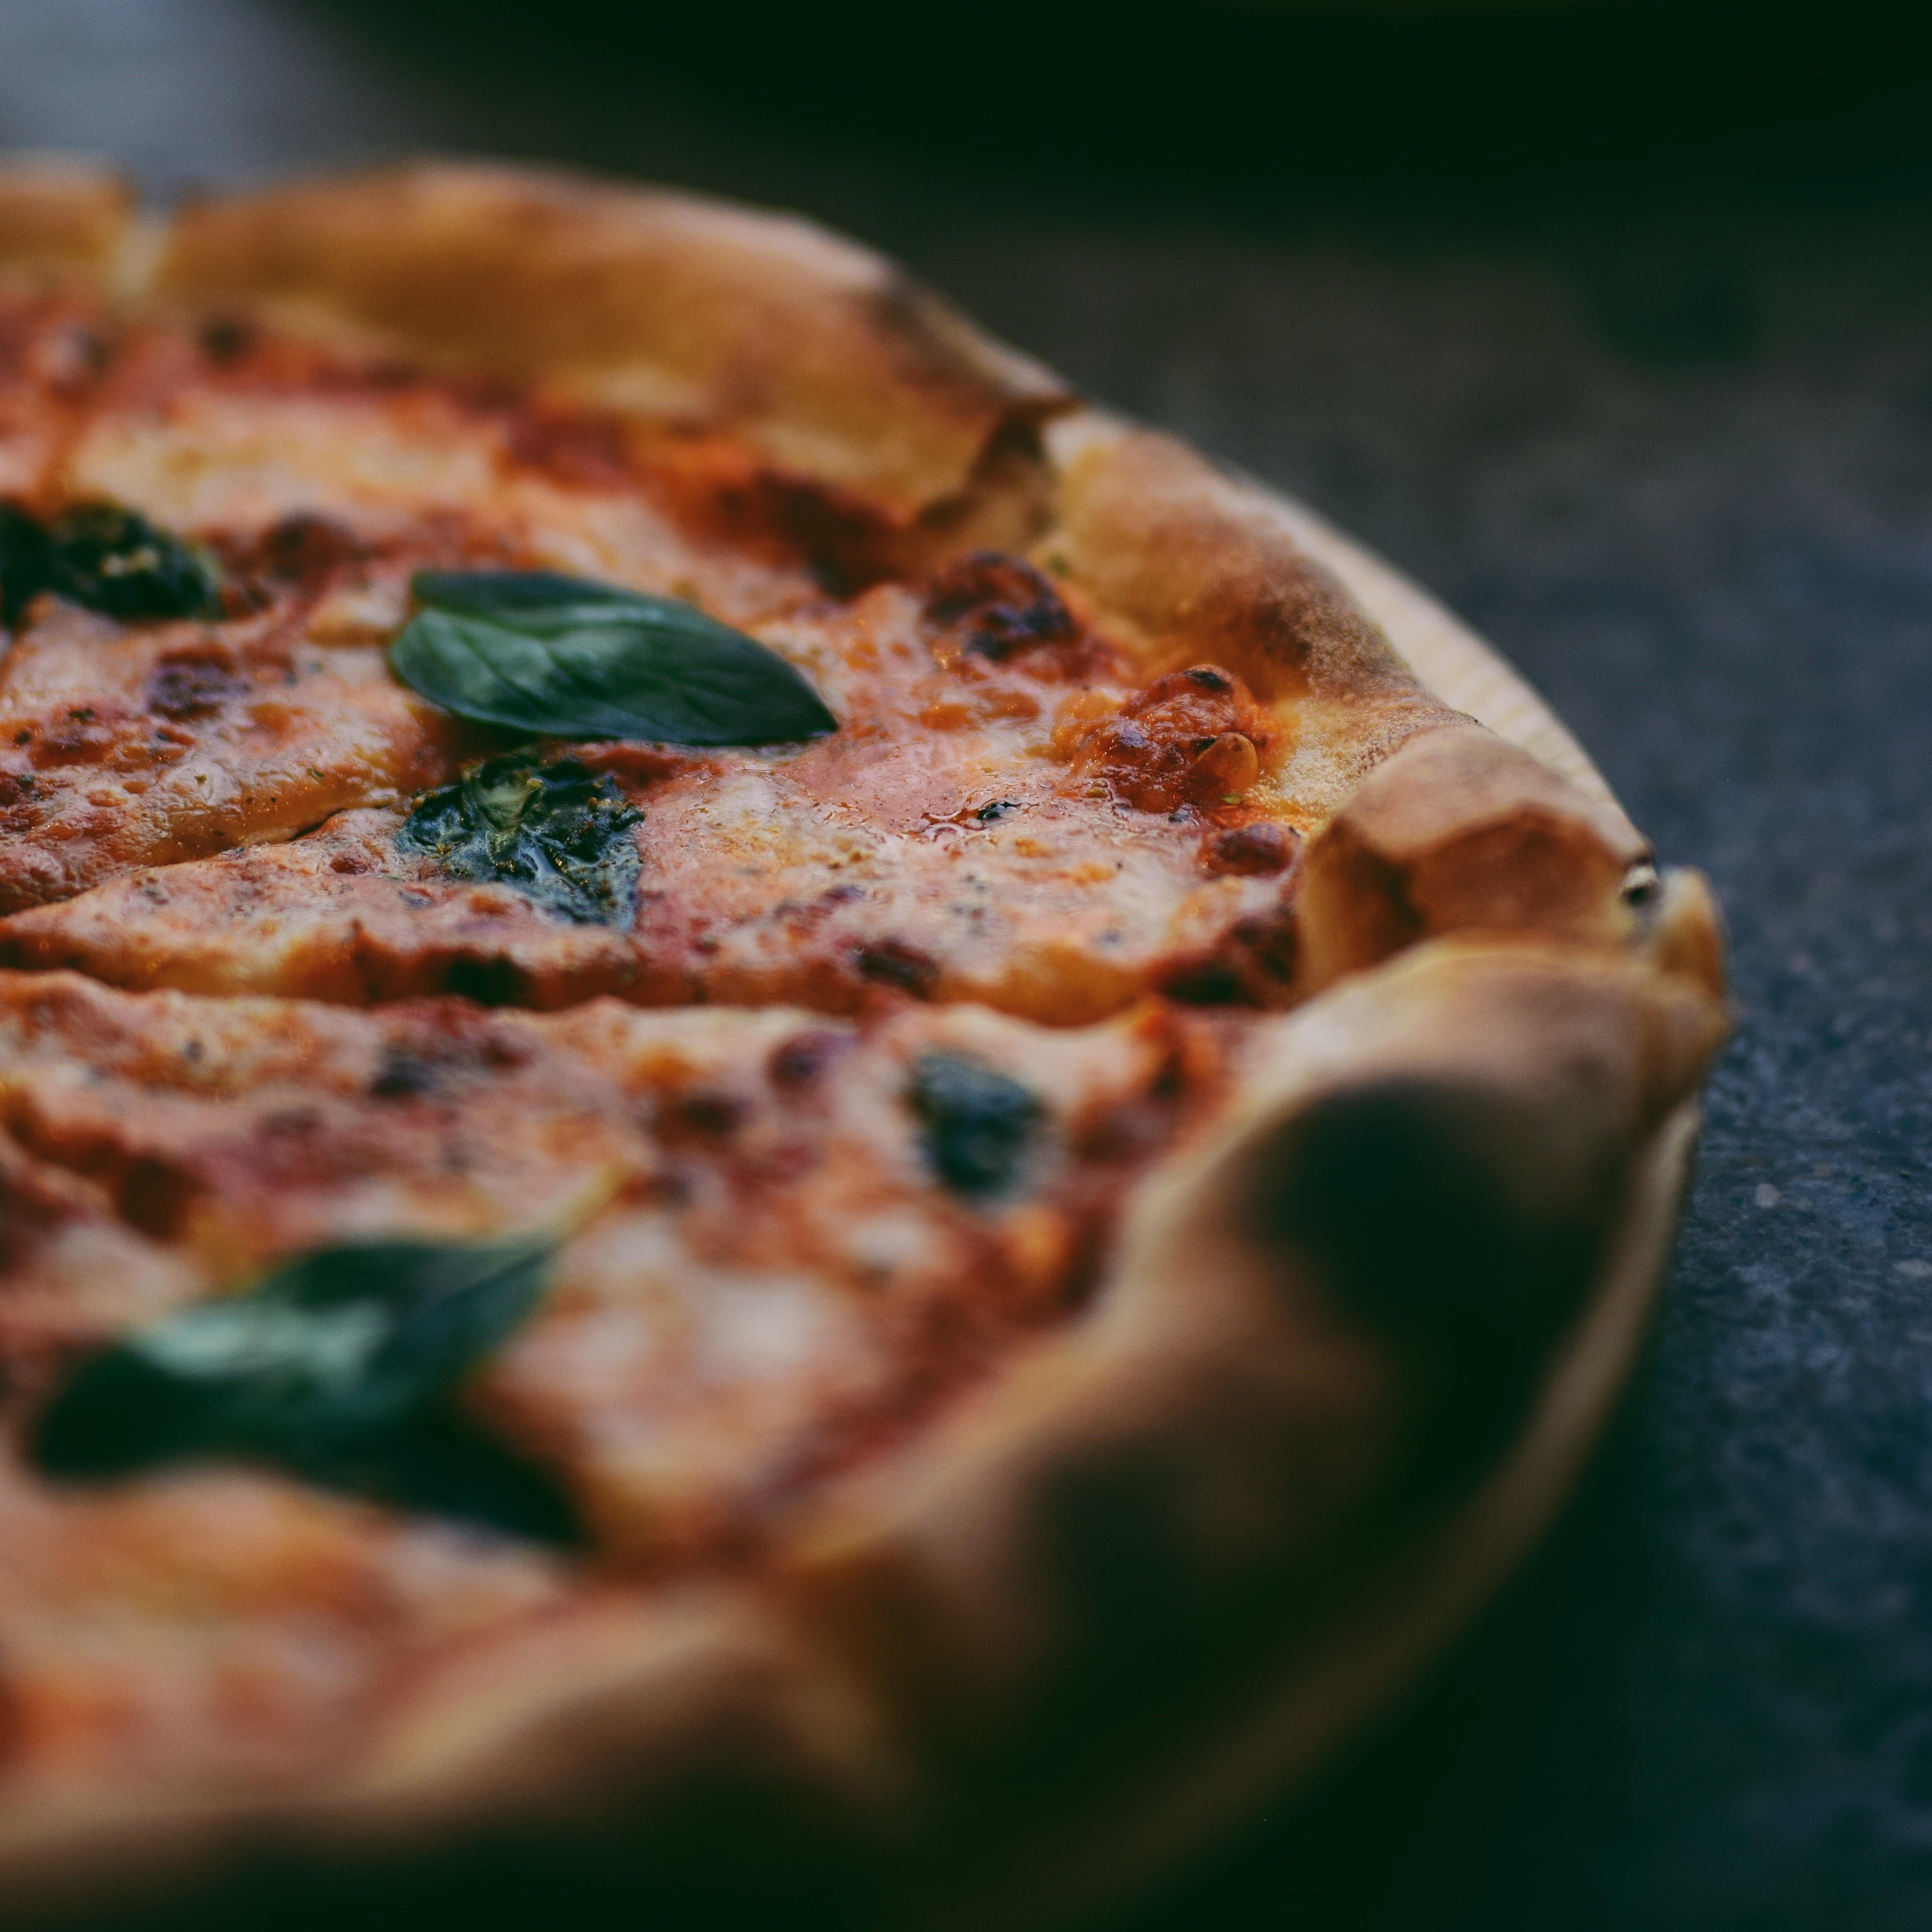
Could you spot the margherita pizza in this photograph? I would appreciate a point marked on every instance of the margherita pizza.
(737, 1055)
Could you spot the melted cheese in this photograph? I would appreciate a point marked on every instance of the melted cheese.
(770, 1274)
(778, 1277)
(210, 1634)
(980, 860)
(49, 350)
(122, 747)
(1016, 816)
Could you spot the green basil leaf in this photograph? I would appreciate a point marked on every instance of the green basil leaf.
(564, 657)
(978, 1124)
(23, 562)
(108, 559)
(511, 596)
(337, 1366)
(558, 833)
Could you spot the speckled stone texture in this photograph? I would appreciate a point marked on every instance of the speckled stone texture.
(1671, 450)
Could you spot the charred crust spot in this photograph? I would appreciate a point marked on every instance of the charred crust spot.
(713, 485)
(153, 1196)
(502, 1053)
(891, 961)
(1254, 850)
(81, 737)
(303, 547)
(800, 1062)
(225, 340)
(405, 1076)
(193, 683)
(492, 982)
(1000, 604)
(702, 1116)
(1212, 981)
(1641, 885)
(845, 544)
(1253, 965)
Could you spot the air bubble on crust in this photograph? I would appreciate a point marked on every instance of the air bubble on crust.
(1641, 885)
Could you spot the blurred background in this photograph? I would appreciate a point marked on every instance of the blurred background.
(1613, 324)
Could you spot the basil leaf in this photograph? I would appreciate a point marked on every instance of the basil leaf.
(978, 1123)
(107, 558)
(567, 659)
(23, 562)
(508, 596)
(337, 1366)
(558, 833)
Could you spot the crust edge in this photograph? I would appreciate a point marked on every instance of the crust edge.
(1316, 1701)
(647, 301)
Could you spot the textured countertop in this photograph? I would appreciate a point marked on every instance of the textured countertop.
(1670, 449)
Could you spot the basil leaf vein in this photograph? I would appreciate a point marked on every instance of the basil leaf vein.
(565, 658)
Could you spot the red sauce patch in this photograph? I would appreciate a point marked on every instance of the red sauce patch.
(998, 604)
(719, 489)
(303, 549)
(1193, 737)
(573, 446)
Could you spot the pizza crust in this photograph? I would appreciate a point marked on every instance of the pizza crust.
(1220, 1351)
(944, 1635)
(670, 306)
(63, 221)
(1193, 1781)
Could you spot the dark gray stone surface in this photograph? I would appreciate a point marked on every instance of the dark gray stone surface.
(1671, 450)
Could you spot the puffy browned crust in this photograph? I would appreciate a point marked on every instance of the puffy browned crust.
(1245, 1395)
(668, 305)
(567, 1732)
(1202, 567)
(62, 222)
(1259, 1413)
(1256, 1417)
(1458, 831)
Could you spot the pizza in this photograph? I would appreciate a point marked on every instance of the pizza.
(745, 1069)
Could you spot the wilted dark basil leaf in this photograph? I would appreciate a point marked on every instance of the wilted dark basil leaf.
(568, 658)
(336, 1367)
(978, 1123)
(23, 561)
(556, 831)
(110, 559)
